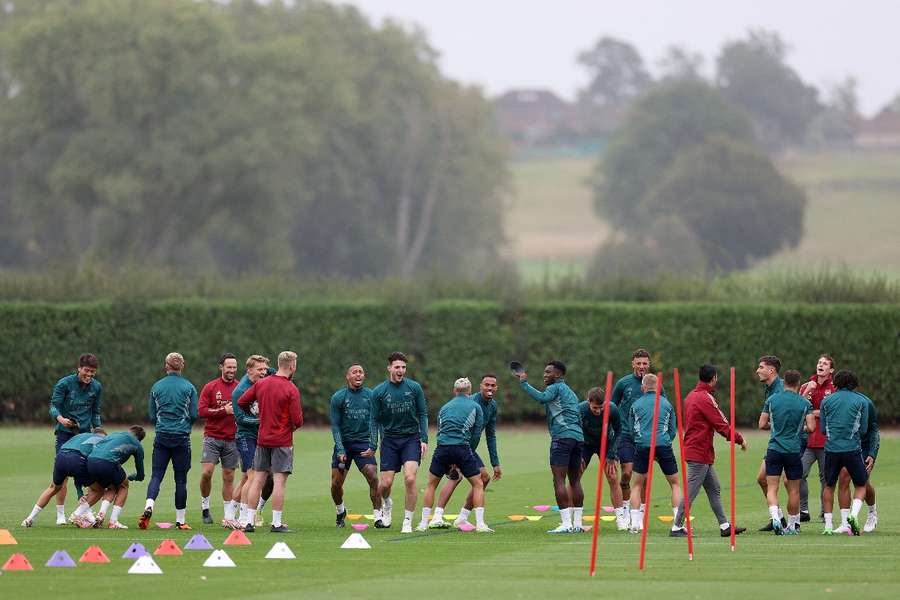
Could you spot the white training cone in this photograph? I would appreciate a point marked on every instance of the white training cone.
(145, 565)
(280, 550)
(219, 559)
(356, 542)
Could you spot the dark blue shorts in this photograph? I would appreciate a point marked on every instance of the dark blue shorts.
(663, 455)
(588, 451)
(478, 460)
(106, 472)
(852, 461)
(460, 455)
(171, 447)
(565, 452)
(626, 450)
(71, 463)
(395, 451)
(865, 452)
(776, 462)
(62, 437)
(353, 450)
(246, 447)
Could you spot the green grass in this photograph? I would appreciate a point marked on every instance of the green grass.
(519, 560)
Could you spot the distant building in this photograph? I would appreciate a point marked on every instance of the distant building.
(882, 130)
(532, 116)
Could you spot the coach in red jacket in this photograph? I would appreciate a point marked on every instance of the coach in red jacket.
(702, 419)
(815, 390)
(280, 414)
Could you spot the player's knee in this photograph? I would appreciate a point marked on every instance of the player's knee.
(409, 480)
(228, 476)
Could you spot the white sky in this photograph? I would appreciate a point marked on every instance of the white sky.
(502, 44)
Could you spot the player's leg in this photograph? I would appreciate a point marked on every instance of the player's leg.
(229, 460)
(369, 469)
(181, 464)
(696, 478)
(576, 491)
(625, 453)
(428, 499)
(446, 493)
(337, 494)
(279, 483)
(845, 499)
(820, 466)
(121, 496)
(793, 504)
(807, 458)
(261, 466)
(159, 461)
(856, 467)
(61, 438)
(762, 481)
(410, 468)
(872, 518)
(635, 506)
(477, 483)
(832, 473)
(109, 496)
(389, 465)
(209, 458)
(264, 496)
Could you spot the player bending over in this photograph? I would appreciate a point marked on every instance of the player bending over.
(591, 412)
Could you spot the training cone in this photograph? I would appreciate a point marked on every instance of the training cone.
(466, 527)
(237, 538)
(516, 517)
(280, 550)
(354, 517)
(219, 559)
(541, 507)
(93, 555)
(355, 542)
(168, 548)
(61, 558)
(534, 517)
(145, 565)
(135, 551)
(164, 525)
(198, 542)
(6, 538)
(359, 526)
(17, 562)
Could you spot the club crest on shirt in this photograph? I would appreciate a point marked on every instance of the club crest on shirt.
(219, 396)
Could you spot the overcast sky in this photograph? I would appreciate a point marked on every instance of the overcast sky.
(502, 44)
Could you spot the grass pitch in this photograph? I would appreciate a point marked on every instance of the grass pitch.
(518, 561)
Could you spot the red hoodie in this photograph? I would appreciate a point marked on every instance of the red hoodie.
(280, 412)
(817, 437)
(216, 395)
(702, 418)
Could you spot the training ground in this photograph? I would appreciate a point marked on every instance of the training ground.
(518, 561)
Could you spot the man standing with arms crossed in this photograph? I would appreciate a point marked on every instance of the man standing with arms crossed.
(218, 437)
(280, 414)
(702, 419)
(75, 406)
(401, 413)
(815, 390)
(173, 409)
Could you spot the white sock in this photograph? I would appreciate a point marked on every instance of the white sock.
(626, 506)
(479, 516)
(387, 503)
(643, 507)
(577, 512)
(149, 503)
(250, 516)
(872, 511)
(204, 503)
(636, 517)
(243, 514)
(376, 513)
(339, 508)
(276, 518)
(37, 509)
(724, 526)
(408, 515)
(426, 514)
(83, 509)
(780, 514)
(61, 510)
(230, 508)
(674, 512)
(845, 512)
(566, 515)
(774, 512)
(114, 517)
(104, 506)
(260, 504)
(438, 514)
(856, 507)
(829, 524)
(179, 515)
(464, 513)
(793, 521)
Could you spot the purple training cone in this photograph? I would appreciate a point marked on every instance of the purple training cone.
(61, 558)
(198, 542)
(135, 551)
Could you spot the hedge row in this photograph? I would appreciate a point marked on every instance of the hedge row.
(40, 342)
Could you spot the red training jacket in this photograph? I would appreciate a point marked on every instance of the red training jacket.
(214, 397)
(817, 437)
(280, 411)
(702, 418)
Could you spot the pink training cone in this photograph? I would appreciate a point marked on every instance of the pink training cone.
(541, 507)
(359, 526)
(466, 527)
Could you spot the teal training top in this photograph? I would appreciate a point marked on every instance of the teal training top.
(592, 426)
(787, 412)
(490, 427)
(642, 420)
(351, 418)
(173, 405)
(73, 400)
(775, 387)
(117, 448)
(845, 419)
(457, 419)
(83, 443)
(247, 424)
(871, 441)
(625, 392)
(561, 404)
(400, 409)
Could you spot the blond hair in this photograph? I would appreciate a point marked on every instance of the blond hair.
(174, 361)
(286, 359)
(253, 359)
(648, 382)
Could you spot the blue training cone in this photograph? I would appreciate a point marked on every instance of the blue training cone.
(61, 558)
(135, 551)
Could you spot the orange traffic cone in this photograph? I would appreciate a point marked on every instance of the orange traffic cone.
(168, 548)
(6, 537)
(93, 555)
(237, 538)
(18, 562)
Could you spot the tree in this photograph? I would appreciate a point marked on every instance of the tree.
(617, 73)
(680, 63)
(733, 199)
(838, 122)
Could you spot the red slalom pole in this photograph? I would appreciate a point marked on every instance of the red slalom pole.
(731, 374)
(687, 500)
(650, 470)
(603, 430)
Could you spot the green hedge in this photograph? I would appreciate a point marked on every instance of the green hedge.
(445, 340)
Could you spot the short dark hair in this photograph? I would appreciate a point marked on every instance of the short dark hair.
(640, 353)
(558, 365)
(595, 395)
(708, 372)
(846, 380)
(792, 378)
(88, 360)
(397, 356)
(829, 357)
(138, 432)
(772, 361)
(486, 375)
(225, 357)
(352, 364)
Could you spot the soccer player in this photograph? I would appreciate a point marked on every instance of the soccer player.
(591, 411)
(218, 438)
(355, 439)
(702, 419)
(767, 371)
(815, 390)
(280, 414)
(566, 439)
(70, 461)
(245, 439)
(786, 414)
(457, 420)
(104, 466)
(75, 406)
(486, 398)
(401, 413)
(173, 409)
(625, 392)
(666, 430)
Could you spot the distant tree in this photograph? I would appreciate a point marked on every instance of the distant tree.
(838, 122)
(680, 63)
(616, 71)
(753, 74)
(733, 199)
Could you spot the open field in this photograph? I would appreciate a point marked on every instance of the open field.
(518, 561)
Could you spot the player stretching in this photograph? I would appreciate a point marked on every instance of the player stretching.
(767, 372)
(566, 439)
(104, 466)
(591, 412)
(218, 438)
